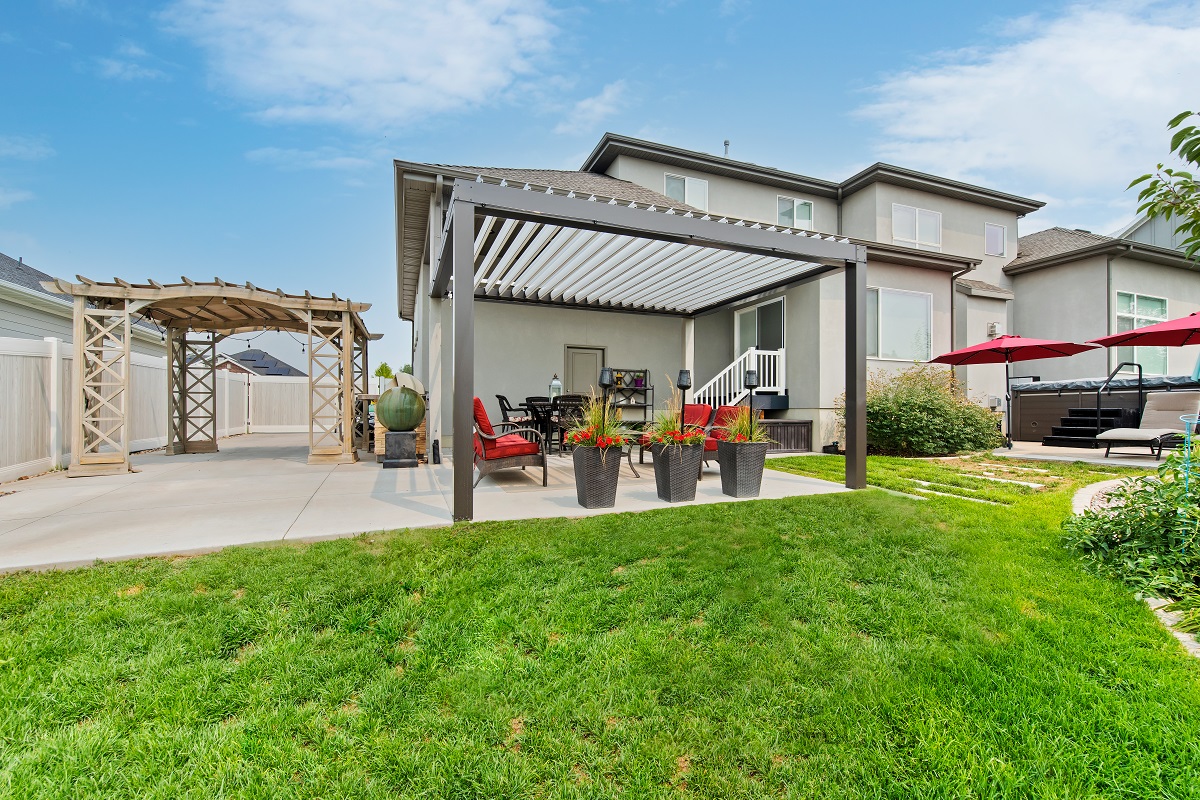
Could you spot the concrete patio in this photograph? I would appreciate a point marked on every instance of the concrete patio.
(1121, 456)
(259, 488)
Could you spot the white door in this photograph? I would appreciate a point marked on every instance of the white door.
(583, 369)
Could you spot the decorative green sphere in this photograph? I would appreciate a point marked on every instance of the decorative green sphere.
(400, 409)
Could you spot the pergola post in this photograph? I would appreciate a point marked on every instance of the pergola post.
(856, 371)
(331, 394)
(191, 392)
(100, 435)
(462, 257)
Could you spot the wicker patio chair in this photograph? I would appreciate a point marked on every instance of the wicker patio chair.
(716, 432)
(502, 446)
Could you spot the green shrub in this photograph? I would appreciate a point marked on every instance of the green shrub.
(1148, 536)
(923, 411)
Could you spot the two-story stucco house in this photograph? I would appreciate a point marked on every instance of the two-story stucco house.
(935, 256)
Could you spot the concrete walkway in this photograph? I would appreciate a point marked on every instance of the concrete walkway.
(1124, 457)
(259, 488)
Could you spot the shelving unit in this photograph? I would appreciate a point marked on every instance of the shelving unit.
(633, 390)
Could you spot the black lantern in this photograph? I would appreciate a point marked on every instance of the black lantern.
(750, 381)
(606, 382)
(684, 383)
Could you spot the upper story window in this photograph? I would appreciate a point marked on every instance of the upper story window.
(916, 227)
(1137, 311)
(693, 191)
(795, 213)
(899, 324)
(995, 239)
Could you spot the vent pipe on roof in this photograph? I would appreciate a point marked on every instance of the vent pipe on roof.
(727, 148)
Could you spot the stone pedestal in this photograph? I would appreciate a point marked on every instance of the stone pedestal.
(399, 449)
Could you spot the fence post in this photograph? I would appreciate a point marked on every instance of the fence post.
(55, 392)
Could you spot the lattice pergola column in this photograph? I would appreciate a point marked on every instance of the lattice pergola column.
(100, 433)
(362, 433)
(331, 390)
(191, 392)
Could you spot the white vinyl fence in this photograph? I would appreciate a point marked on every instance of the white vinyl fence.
(35, 405)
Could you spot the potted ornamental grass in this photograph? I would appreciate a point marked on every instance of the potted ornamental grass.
(742, 453)
(596, 442)
(677, 451)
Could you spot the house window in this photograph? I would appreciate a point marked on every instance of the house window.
(995, 239)
(795, 213)
(1137, 311)
(692, 191)
(898, 324)
(916, 227)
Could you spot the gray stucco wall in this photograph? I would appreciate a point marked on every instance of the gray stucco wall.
(962, 224)
(1180, 287)
(518, 347)
(728, 196)
(1065, 302)
(972, 316)
(714, 345)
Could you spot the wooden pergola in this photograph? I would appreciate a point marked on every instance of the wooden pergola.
(196, 316)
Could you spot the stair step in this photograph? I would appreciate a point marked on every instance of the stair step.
(1080, 423)
(1087, 442)
(1075, 431)
(1091, 412)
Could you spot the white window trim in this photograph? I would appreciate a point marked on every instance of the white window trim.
(1003, 240)
(916, 244)
(812, 211)
(737, 328)
(1113, 325)
(878, 328)
(685, 179)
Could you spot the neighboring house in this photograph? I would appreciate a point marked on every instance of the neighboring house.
(256, 362)
(28, 311)
(1078, 285)
(921, 233)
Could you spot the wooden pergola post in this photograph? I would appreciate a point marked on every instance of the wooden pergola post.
(331, 390)
(100, 435)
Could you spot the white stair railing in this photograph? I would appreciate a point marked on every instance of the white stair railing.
(729, 386)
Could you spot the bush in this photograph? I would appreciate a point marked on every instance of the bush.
(923, 411)
(1148, 535)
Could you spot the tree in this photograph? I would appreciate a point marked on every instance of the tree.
(1173, 194)
(383, 371)
(407, 369)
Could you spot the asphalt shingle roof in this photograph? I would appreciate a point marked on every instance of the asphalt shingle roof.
(22, 274)
(1053, 242)
(589, 182)
(260, 362)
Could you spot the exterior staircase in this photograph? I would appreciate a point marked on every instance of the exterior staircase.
(1081, 426)
(728, 388)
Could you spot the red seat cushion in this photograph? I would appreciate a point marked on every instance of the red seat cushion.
(725, 416)
(710, 443)
(511, 445)
(481, 419)
(696, 415)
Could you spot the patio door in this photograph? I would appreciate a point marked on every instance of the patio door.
(760, 326)
(583, 369)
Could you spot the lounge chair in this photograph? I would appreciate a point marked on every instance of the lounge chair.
(502, 447)
(1160, 425)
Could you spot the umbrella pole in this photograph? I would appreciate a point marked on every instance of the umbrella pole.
(1007, 406)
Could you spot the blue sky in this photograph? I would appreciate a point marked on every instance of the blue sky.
(253, 140)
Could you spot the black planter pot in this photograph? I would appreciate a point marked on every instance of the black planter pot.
(676, 470)
(596, 473)
(741, 467)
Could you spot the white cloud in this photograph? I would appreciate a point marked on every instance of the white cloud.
(290, 159)
(10, 197)
(591, 111)
(128, 64)
(1075, 104)
(372, 63)
(24, 148)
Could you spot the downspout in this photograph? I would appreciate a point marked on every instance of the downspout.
(839, 211)
(954, 276)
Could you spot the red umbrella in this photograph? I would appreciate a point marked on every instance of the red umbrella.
(1172, 333)
(1008, 349)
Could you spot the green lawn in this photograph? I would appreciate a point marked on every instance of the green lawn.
(850, 645)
